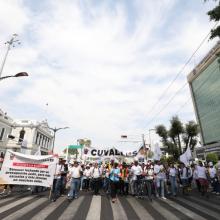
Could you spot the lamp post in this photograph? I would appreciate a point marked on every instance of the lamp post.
(12, 42)
(54, 134)
(16, 75)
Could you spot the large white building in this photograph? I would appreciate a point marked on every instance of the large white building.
(30, 136)
(5, 130)
(26, 136)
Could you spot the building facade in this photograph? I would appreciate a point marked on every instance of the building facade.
(204, 82)
(30, 137)
(5, 130)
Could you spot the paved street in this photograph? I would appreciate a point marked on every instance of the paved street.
(89, 207)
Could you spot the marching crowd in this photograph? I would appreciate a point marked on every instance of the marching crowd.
(136, 179)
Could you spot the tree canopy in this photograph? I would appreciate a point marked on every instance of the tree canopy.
(178, 137)
(214, 15)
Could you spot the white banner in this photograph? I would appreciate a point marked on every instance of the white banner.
(24, 169)
(107, 153)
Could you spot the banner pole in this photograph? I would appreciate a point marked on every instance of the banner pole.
(50, 194)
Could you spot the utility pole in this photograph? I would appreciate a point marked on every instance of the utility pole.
(12, 42)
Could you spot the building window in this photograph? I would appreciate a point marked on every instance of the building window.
(21, 136)
(2, 134)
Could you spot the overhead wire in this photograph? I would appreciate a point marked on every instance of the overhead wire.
(175, 78)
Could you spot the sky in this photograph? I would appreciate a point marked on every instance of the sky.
(100, 66)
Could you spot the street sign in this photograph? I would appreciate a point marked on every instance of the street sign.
(75, 146)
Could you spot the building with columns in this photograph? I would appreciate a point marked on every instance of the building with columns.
(25, 136)
(5, 130)
(30, 136)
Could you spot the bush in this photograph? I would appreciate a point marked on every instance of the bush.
(212, 157)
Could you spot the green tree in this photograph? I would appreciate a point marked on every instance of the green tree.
(72, 152)
(86, 142)
(176, 130)
(214, 15)
(178, 137)
(191, 132)
(212, 157)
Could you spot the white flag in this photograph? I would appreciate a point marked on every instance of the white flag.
(186, 157)
(157, 152)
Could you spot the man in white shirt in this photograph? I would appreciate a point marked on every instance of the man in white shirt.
(96, 178)
(136, 172)
(74, 174)
(87, 175)
(57, 182)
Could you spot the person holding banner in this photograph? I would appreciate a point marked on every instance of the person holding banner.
(58, 181)
(74, 174)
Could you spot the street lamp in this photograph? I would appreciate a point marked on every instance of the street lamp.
(16, 75)
(54, 134)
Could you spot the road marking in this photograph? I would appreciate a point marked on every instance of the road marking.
(207, 202)
(3, 200)
(95, 209)
(71, 210)
(184, 210)
(13, 204)
(21, 212)
(200, 208)
(48, 209)
(118, 211)
(166, 214)
(141, 212)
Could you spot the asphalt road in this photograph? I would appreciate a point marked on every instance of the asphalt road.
(25, 206)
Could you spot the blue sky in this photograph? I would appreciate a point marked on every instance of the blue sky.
(100, 65)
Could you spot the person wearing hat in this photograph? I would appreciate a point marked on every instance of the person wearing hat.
(87, 176)
(74, 175)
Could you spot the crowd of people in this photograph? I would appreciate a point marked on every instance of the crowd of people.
(143, 180)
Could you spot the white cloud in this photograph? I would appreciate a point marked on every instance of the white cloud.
(100, 69)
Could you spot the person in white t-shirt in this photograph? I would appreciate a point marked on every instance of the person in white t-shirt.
(160, 176)
(87, 175)
(136, 172)
(149, 177)
(74, 174)
(202, 177)
(96, 178)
